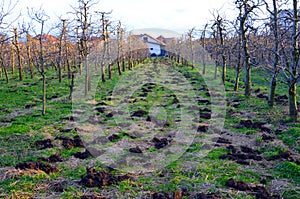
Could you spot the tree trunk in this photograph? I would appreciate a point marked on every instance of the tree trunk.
(293, 102)
(12, 62)
(59, 65)
(204, 46)
(87, 77)
(6, 75)
(245, 10)
(120, 32)
(294, 66)
(119, 67)
(109, 71)
(271, 97)
(80, 66)
(28, 43)
(60, 51)
(216, 69)
(223, 68)
(42, 69)
(18, 51)
(273, 83)
(204, 66)
(237, 80)
(238, 69)
(247, 81)
(219, 23)
(123, 64)
(44, 93)
(103, 76)
(72, 85)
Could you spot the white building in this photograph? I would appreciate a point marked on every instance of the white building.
(156, 47)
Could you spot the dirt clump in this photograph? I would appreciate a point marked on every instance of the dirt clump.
(52, 158)
(161, 142)
(202, 128)
(160, 195)
(262, 126)
(223, 141)
(205, 196)
(92, 195)
(113, 137)
(281, 155)
(136, 149)
(266, 137)
(82, 155)
(242, 156)
(37, 166)
(101, 178)
(260, 192)
(139, 113)
(43, 144)
(69, 143)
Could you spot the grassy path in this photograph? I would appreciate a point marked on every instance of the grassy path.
(156, 131)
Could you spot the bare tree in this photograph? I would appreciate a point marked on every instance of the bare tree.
(216, 51)
(28, 52)
(120, 32)
(104, 30)
(238, 61)
(246, 8)
(276, 56)
(15, 43)
(62, 40)
(191, 45)
(203, 44)
(6, 8)
(84, 24)
(220, 28)
(4, 55)
(291, 73)
(41, 17)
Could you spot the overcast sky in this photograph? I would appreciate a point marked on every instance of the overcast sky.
(176, 15)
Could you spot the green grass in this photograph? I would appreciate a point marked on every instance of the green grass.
(289, 170)
(214, 154)
(15, 129)
(18, 138)
(291, 138)
(272, 151)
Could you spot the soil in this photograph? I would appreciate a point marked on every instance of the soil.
(135, 150)
(47, 168)
(180, 194)
(204, 115)
(101, 178)
(52, 158)
(202, 128)
(161, 142)
(262, 126)
(205, 196)
(139, 113)
(242, 156)
(223, 141)
(94, 196)
(44, 144)
(160, 195)
(83, 155)
(69, 143)
(113, 137)
(258, 191)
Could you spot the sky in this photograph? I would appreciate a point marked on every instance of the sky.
(175, 15)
